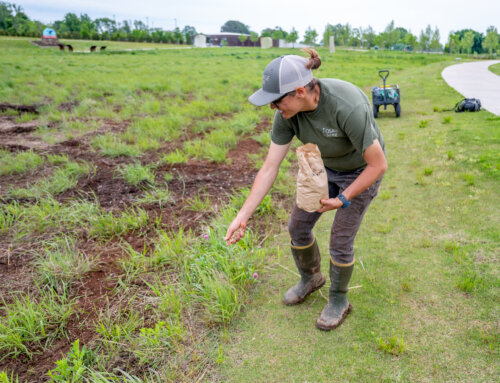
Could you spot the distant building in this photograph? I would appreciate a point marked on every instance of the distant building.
(200, 41)
(230, 40)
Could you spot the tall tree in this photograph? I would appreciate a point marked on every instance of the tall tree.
(268, 32)
(341, 34)
(277, 34)
(189, 32)
(310, 36)
(368, 37)
(20, 21)
(435, 44)
(424, 40)
(453, 45)
(104, 25)
(254, 37)
(87, 27)
(477, 45)
(72, 22)
(178, 37)
(126, 27)
(492, 40)
(235, 26)
(467, 42)
(355, 38)
(6, 16)
(292, 37)
(391, 35)
(410, 40)
(156, 35)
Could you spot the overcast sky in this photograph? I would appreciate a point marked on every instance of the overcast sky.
(207, 16)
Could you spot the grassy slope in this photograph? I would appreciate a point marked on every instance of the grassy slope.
(495, 69)
(423, 235)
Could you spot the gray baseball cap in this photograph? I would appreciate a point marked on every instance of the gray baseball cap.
(282, 75)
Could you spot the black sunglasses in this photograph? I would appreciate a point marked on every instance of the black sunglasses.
(276, 102)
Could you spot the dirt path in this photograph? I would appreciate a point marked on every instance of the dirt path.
(474, 80)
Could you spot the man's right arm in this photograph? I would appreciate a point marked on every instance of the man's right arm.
(263, 182)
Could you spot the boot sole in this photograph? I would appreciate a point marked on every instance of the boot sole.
(344, 315)
(309, 293)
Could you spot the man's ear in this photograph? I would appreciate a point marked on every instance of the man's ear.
(300, 91)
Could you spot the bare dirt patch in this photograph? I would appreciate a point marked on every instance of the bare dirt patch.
(15, 136)
(7, 126)
(19, 108)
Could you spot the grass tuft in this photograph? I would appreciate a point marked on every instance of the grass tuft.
(30, 324)
(61, 264)
(393, 345)
(137, 174)
(198, 203)
(175, 157)
(108, 225)
(19, 163)
(157, 195)
(423, 124)
(64, 178)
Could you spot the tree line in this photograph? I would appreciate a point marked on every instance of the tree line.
(465, 41)
(14, 22)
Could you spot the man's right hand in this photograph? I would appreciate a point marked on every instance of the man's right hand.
(236, 231)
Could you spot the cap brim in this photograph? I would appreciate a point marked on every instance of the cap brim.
(261, 97)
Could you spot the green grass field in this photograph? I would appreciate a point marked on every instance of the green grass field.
(120, 171)
(426, 275)
(495, 68)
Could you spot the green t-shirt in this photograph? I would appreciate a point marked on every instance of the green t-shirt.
(342, 126)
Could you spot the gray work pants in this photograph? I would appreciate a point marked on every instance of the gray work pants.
(346, 223)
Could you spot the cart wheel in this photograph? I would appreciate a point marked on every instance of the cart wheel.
(397, 107)
(375, 111)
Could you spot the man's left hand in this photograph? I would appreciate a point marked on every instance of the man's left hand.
(329, 204)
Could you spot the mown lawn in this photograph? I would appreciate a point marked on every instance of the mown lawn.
(425, 289)
(495, 68)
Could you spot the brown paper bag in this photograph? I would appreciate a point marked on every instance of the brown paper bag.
(312, 181)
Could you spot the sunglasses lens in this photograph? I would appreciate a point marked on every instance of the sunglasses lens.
(276, 102)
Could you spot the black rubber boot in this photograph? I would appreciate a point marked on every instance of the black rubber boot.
(338, 306)
(308, 261)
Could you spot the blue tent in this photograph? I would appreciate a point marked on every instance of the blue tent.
(49, 33)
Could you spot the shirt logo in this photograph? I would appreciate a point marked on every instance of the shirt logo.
(329, 132)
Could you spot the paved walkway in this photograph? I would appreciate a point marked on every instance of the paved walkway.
(474, 80)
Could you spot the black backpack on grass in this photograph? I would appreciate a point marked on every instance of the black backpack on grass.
(468, 105)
